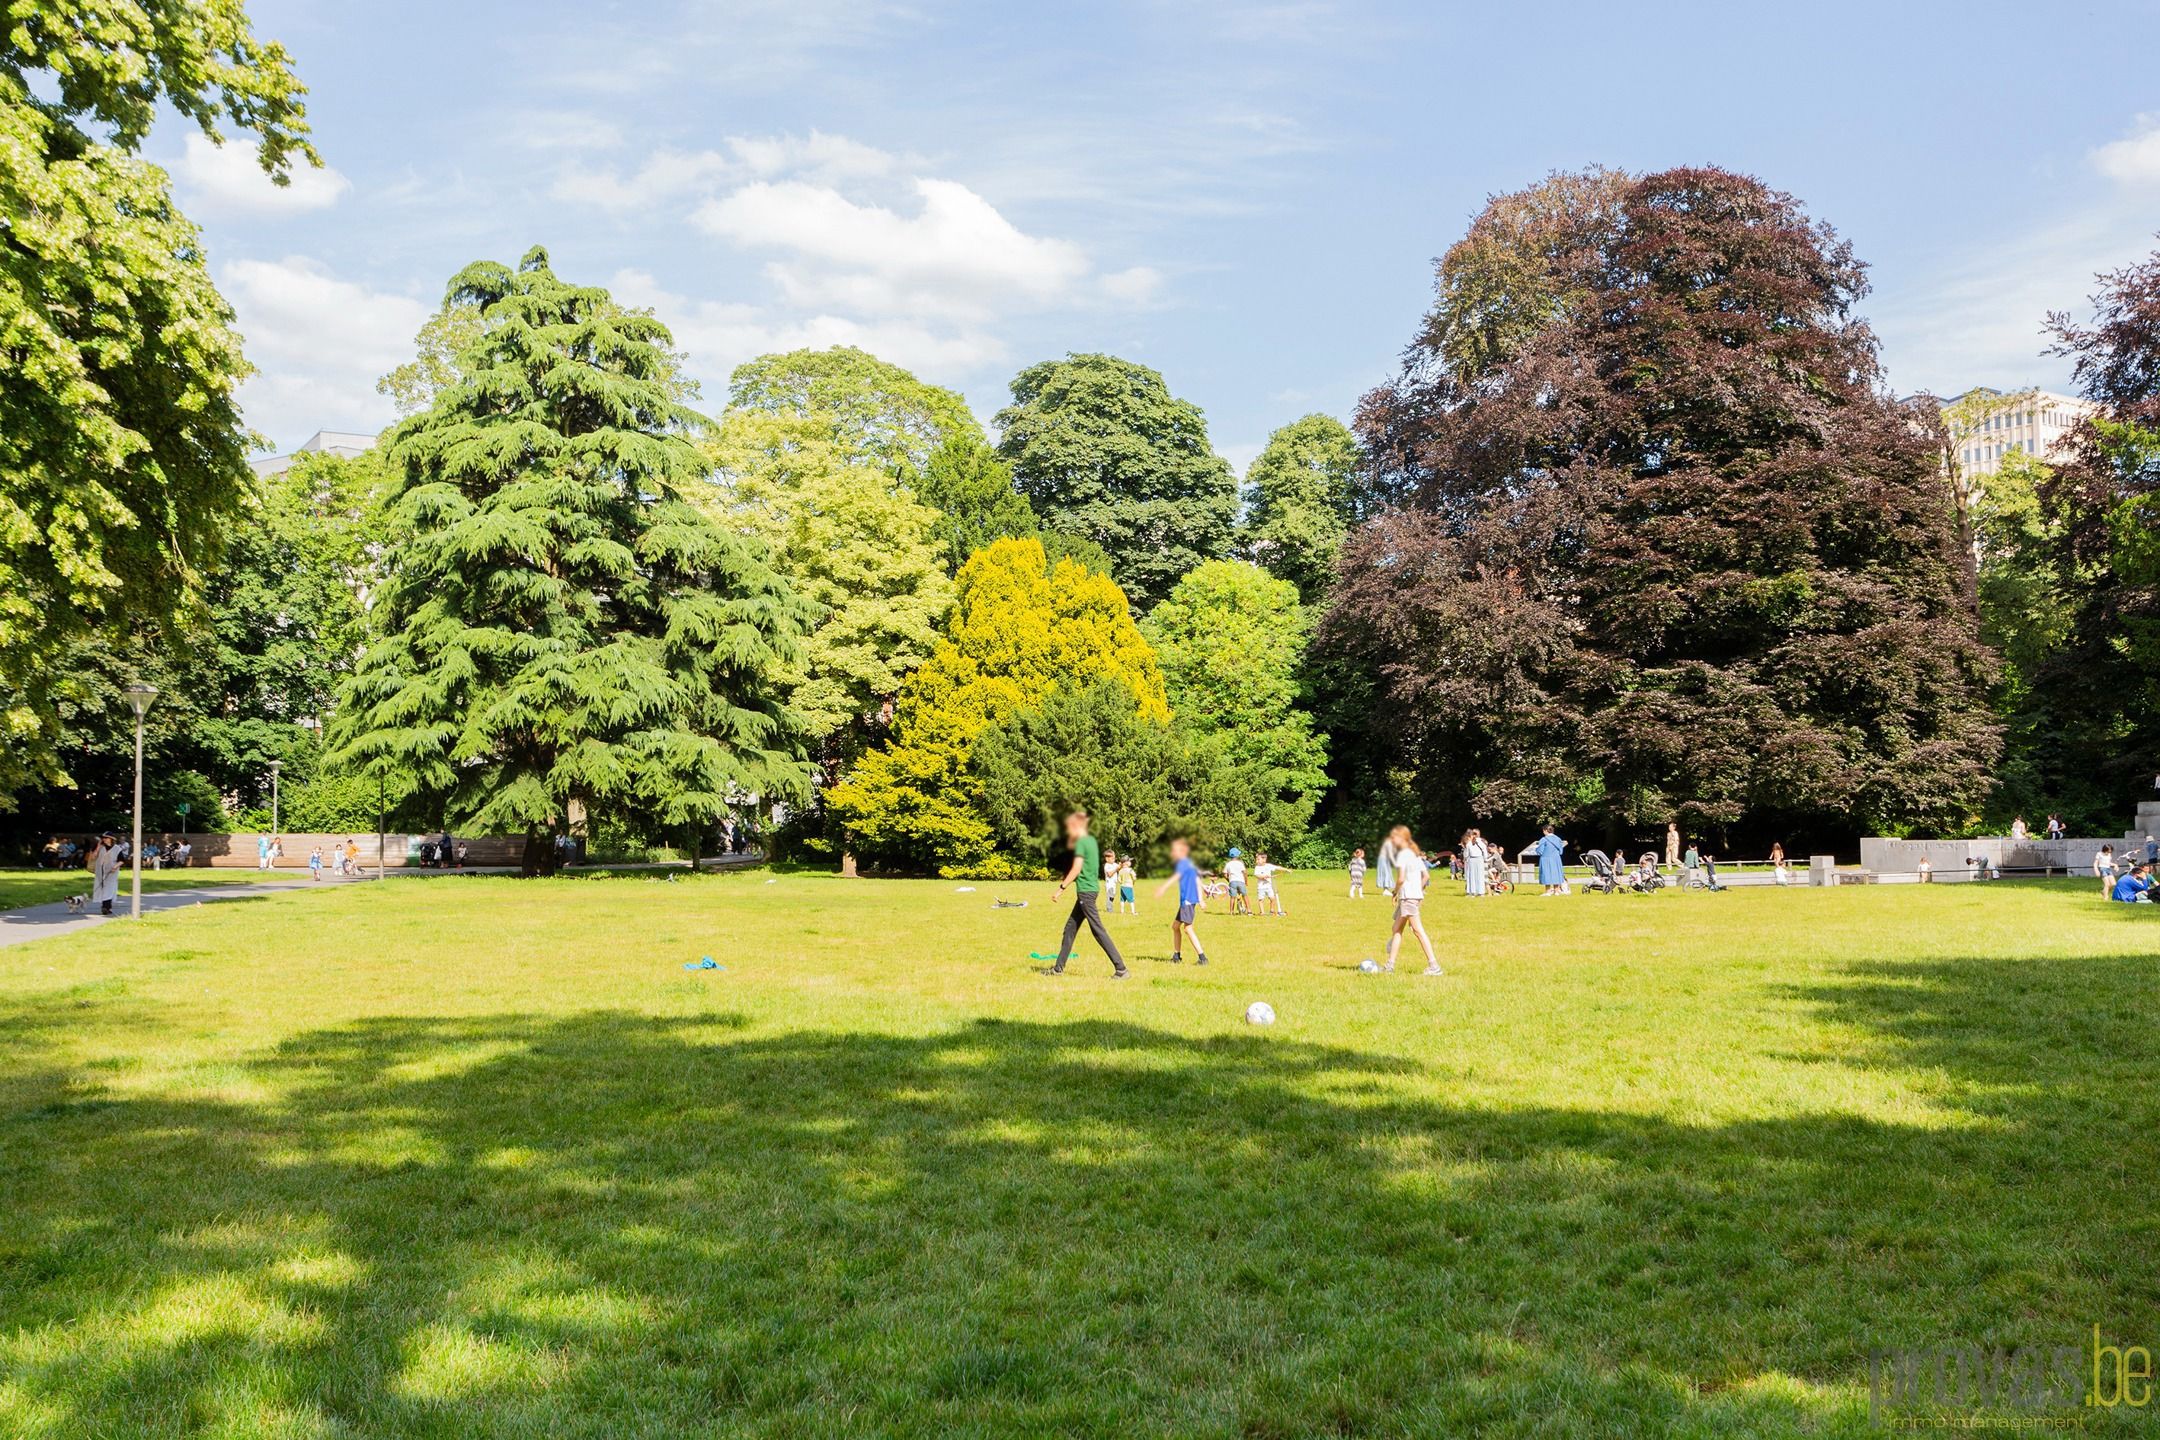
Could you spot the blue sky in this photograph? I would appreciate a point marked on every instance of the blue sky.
(1247, 197)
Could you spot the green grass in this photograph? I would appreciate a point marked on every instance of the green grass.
(42, 887)
(476, 1157)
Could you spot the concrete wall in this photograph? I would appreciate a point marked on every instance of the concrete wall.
(1883, 856)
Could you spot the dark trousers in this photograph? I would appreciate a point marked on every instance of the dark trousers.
(1084, 909)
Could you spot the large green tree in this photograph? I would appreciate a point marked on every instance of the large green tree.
(1107, 453)
(1020, 626)
(122, 456)
(2091, 719)
(1092, 745)
(870, 407)
(853, 542)
(1231, 641)
(1301, 496)
(973, 492)
(1663, 545)
(561, 627)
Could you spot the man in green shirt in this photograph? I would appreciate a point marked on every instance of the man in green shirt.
(1085, 878)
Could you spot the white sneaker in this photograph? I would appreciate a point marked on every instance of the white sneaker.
(1432, 970)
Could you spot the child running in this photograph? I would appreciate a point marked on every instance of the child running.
(1186, 876)
(1125, 879)
(1357, 874)
(1410, 873)
(314, 863)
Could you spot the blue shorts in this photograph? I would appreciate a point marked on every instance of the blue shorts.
(1124, 893)
(1237, 888)
(1185, 912)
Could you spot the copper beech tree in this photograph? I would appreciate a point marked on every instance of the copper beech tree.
(1656, 541)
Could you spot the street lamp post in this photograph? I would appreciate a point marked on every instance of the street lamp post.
(275, 766)
(139, 695)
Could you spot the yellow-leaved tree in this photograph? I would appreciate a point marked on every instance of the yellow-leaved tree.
(1019, 627)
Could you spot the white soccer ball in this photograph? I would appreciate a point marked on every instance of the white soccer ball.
(1259, 1013)
(1370, 967)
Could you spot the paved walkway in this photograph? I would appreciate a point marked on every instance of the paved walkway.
(41, 922)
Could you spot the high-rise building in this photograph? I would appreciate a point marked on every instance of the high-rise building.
(1987, 425)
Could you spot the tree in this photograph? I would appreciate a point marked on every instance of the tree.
(449, 333)
(872, 408)
(560, 626)
(2095, 692)
(1019, 627)
(1663, 547)
(1231, 642)
(443, 337)
(1107, 453)
(121, 449)
(849, 541)
(1302, 495)
(972, 490)
(1092, 745)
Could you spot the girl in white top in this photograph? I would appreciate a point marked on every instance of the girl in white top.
(1410, 873)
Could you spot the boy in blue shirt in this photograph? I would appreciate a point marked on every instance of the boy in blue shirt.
(2132, 887)
(1186, 876)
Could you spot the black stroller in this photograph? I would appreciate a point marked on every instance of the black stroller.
(1604, 880)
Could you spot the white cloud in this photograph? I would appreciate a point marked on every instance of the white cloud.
(228, 177)
(670, 175)
(955, 256)
(716, 336)
(318, 344)
(1138, 285)
(835, 156)
(2135, 159)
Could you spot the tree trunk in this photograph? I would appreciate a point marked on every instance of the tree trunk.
(847, 865)
(539, 849)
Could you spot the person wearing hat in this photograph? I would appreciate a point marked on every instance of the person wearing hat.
(1233, 871)
(105, 872)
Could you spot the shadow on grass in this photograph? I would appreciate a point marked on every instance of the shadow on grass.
(617, 1225)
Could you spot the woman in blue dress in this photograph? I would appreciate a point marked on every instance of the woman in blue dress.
(1549, 871)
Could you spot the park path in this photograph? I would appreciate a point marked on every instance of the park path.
(42, 922)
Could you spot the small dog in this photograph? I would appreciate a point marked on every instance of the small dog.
(77, 902)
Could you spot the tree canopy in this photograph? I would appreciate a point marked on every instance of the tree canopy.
(1107, 453)
(560, 625)
(2089, 722)
(871, 408)
(973, 492)
(1019, 627)
(850, 541)
(1662, 544)
(1231, 639)
(120, 440)
(1302, 493)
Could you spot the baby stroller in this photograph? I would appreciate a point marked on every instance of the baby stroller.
(1646, 879)
(1604, 880)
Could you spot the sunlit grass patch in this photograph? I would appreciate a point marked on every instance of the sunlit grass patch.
(491, 1163)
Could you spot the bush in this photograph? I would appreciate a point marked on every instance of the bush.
(995, 867)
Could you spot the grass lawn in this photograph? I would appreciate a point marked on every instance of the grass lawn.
(41, 887)
(477, 1157)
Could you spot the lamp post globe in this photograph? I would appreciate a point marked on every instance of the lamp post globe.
(139, 695)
